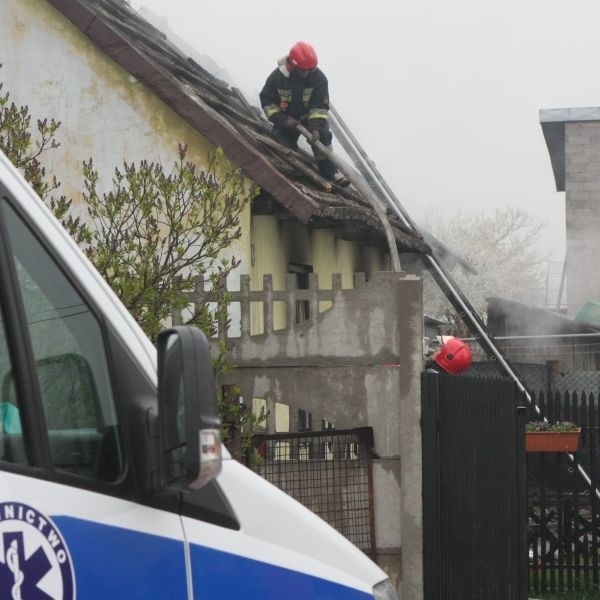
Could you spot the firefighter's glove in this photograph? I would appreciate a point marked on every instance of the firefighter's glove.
(316, 136)
(290, 123)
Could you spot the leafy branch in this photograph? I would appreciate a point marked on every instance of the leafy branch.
(152, 235)
(155, 233)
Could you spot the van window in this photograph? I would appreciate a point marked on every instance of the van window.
(71, 363)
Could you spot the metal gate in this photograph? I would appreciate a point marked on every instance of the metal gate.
(330, 472)
(564, 512)
(474, 489)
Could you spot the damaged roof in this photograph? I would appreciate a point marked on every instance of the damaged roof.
(222, 115)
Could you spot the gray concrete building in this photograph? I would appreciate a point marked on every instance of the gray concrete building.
(573, 139)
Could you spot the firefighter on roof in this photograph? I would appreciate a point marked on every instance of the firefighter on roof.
(297, 93)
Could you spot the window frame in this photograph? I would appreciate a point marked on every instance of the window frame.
(302, 273)
(35, 430)
(35, 439)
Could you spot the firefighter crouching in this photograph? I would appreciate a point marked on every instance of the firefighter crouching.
(297, 92)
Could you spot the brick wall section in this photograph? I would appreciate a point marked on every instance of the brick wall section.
(582, 186)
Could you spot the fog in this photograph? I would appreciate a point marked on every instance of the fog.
(443, 96)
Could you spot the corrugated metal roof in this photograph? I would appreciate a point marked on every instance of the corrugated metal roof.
(222, 115)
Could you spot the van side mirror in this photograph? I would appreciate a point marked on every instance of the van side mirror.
(189, 424)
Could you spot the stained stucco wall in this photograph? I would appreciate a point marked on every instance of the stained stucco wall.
(357, 364)
(277, 244)
(105, 113)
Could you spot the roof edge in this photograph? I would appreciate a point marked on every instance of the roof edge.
(553, 122)
(570, 115)
(194, 111)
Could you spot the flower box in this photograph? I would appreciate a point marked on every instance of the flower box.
(552, 441)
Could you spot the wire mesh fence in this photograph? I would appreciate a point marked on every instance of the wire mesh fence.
(573, 352)
(329, 472)
(534, 376)
(547, 377)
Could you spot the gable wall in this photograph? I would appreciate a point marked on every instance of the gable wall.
(106, 114)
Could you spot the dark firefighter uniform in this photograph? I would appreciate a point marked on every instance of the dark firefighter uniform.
(304, 99)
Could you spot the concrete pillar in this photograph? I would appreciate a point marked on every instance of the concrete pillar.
(323, 253)
(372, 261)
(270, 258)
(582, 205)
(348, 261)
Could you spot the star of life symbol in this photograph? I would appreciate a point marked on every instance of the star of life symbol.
(34, 559)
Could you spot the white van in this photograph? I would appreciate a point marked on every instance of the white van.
(111, 479)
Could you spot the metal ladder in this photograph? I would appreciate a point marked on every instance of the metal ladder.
(380, 194)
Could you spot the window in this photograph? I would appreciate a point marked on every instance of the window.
(326, 424)
(259, 410)
(282, 417)
(71, 363)
(305, 448)
(304, 420)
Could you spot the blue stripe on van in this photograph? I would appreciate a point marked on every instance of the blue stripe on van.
(218, 575)
(117, 563)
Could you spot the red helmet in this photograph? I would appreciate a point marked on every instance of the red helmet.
(302, 56)
(454, 356)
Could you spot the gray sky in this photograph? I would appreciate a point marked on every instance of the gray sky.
(443, 95)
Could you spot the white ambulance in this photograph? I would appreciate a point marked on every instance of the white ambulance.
(111, 479)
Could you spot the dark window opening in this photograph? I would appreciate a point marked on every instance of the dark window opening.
(304, 420)
(302, 306)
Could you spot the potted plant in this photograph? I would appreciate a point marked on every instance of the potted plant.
(562, 436)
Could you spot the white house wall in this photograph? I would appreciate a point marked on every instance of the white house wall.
(105, 113)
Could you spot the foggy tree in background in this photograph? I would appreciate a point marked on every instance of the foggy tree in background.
(502, 248)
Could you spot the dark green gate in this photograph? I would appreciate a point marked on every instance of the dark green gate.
(474, 489)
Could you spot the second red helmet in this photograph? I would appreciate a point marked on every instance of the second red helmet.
(454, 356)
(302, 56)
